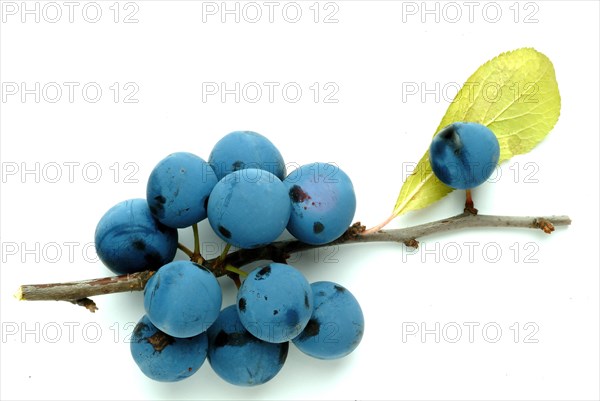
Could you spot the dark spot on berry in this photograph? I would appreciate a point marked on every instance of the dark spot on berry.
(225, 232)
(237, 165)
(138, 331)
(291, 317)
(452, 137)
(265, 297)
(298, 195)
(242, 304)
(275, 312)
(160, 199)
(139, 244)
(321, 293)
(153, 259)
(239, 339)
(339, 288)
(312, 329)
(448, 133)
(234, 339)
(221, 339)
(318, 227)
(306, 301)
(283, 351)
(161, 227)
(263, 273)
(160, 341)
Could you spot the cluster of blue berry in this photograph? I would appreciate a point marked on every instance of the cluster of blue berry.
(249, 201)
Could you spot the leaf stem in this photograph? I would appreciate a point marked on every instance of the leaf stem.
(379, 226)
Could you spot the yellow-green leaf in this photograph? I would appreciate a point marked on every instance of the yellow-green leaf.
(515, 95)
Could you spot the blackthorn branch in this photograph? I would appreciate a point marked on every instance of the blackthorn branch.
(78, 292)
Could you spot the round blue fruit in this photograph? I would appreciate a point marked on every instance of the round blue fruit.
(178, 189)
(182, 299)
(165, 358)
(336, 326)
(249, 208)
(275, 302)
(463, 155)
(323, 203)
(129, 239)
(240, 358)
(246, 149)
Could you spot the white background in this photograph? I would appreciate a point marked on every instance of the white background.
(546, 286)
